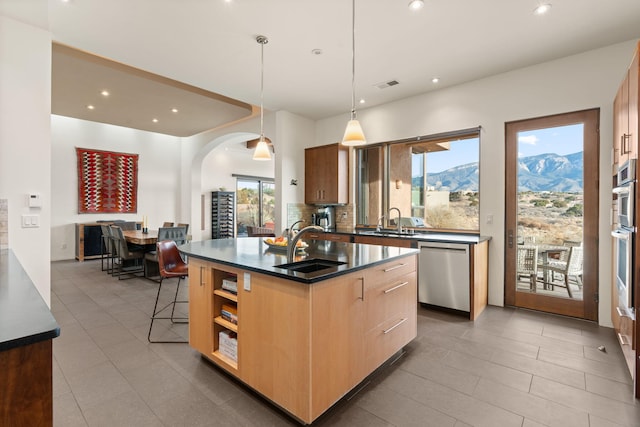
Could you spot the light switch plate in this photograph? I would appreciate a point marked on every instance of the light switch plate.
(247, 282)
(30, 221)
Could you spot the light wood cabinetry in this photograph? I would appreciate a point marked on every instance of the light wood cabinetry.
(625, 146)
(305, 346)
(326, 172)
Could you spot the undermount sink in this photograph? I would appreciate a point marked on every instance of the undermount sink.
(310, 265)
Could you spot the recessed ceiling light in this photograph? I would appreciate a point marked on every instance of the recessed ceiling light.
(104, 93)
(542, 9)
(155, 120)
(90, 107)
(362, 101)
(435, 80)
(174, 110)
(316, 51)
(416, 4)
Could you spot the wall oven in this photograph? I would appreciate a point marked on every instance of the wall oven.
(625, 192)
(623, 250)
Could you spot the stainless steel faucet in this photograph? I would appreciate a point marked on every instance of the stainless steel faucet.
(293, 241)
(290, 232)
(398, 220)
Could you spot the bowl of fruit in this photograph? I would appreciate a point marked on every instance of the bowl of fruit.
(280, 243)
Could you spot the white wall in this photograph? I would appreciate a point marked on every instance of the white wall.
(218, 167)
(25, 149)
(579, 82)
(158, 176)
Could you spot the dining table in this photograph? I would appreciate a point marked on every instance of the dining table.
(546, 253)
(138, 237)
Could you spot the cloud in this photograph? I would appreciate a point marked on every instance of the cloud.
(520, 154)
(529, 139)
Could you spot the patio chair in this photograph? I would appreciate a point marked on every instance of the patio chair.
(527, 265)
(571, 267)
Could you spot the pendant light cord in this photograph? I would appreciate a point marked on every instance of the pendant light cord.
(353, 59)
(262, 40)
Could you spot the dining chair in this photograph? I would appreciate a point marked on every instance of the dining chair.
(126, 255)
(167, 224)
(171, 265)
(527, 265)
(107, 251)
(571, 267)
(253, 231)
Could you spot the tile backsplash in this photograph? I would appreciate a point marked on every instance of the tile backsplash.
(4, 223)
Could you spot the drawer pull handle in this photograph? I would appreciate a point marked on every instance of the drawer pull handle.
(396, 287)
(361, 288)
(623, 340)
(386, 331)
(202, 270)
(621, 313)
(386, 270)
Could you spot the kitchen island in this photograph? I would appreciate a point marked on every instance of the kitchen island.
(301, 339)
(27, 328)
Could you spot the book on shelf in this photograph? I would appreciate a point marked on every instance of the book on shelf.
(230, 313)
(230, 284)
(228, 344)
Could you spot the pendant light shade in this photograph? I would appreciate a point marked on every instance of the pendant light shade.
(353, 134)
(262, 149)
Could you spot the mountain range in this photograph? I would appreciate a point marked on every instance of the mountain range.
(542, 172)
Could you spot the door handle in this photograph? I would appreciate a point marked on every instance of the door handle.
(510, 238)
(202, 269)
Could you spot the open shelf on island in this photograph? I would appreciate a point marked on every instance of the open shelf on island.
(226, 294)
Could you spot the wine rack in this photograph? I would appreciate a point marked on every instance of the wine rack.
(222, 214)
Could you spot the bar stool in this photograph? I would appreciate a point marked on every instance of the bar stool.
(171, 265)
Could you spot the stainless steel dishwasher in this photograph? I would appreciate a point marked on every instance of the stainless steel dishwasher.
(443, 275)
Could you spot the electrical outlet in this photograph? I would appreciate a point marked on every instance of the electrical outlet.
(344, 215)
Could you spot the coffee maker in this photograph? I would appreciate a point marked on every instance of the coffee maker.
(325, 217)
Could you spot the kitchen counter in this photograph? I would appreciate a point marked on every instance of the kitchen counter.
(419, 235)
(24, 316)
(27, 328)
(253, 254)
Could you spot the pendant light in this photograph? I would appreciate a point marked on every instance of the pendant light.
(353, 134)
(262, 149)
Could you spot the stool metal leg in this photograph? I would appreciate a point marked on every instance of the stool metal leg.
(157, 311)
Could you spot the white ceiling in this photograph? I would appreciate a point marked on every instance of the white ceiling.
(210, 44)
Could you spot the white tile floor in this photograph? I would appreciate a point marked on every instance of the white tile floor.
(509, 368)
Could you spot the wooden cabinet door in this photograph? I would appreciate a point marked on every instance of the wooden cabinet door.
(338, 339)
(633, 95)
(327, 175)
(200, 299)
(622, 140)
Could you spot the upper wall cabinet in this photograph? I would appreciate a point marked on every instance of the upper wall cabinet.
(326, 173)
(625, 116)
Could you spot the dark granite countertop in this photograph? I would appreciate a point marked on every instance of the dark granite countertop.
(252, 254)
(419, 235)
(24, 316)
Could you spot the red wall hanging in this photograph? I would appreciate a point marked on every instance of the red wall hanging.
(107, 181)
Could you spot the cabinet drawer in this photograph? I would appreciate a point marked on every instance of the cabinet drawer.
(385, 340)
(389, 300)
(382, 274)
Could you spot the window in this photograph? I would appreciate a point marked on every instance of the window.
(255, 203)
(433, 181)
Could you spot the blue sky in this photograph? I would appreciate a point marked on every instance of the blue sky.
(559, 140)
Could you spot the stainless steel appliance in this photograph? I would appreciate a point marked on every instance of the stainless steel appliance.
(623, 249)
(325, 218)
(624, 237)
(625, 192)
(443, 275)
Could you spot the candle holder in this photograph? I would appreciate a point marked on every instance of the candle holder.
(145, 230)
